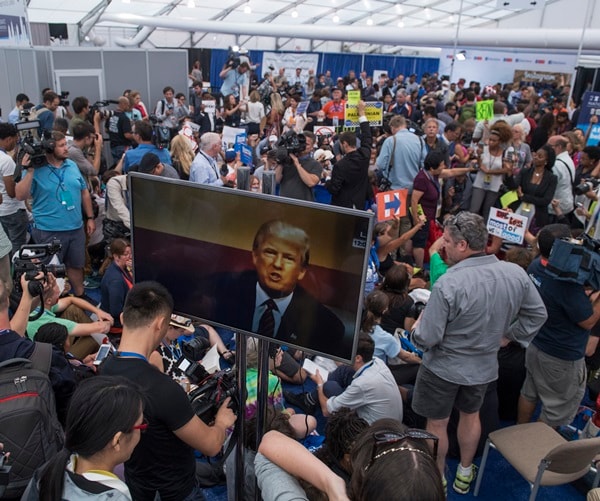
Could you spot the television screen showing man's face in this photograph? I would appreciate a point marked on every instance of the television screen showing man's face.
(279, 264)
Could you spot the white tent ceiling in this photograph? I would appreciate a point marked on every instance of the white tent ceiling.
(427, 16)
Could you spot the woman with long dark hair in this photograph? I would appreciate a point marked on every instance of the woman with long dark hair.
(104, 423)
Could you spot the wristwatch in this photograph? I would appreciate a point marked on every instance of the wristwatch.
(89, 217)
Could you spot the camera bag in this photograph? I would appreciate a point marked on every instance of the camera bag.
(29, 427)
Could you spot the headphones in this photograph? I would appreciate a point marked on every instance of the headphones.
(48, 143)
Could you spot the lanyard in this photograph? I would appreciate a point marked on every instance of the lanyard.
(212, 163)
(132, 354)
(61, 177)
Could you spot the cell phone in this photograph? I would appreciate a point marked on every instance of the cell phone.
(579, 205)
(103, 352)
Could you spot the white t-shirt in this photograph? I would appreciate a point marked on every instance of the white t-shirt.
(9, 205)
(489, 182)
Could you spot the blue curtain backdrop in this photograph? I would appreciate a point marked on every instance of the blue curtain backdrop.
(339, 64)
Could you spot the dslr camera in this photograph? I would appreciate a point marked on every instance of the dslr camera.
(64, 96)
(586, 185)
(31, 260)
(100, 107)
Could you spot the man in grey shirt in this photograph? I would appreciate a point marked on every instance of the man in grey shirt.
(370, 388)
(299, 174)
(476, 306)
(86, 139)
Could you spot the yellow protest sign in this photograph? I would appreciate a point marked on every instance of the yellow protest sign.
(485, 110)
(353, 97)
(373, 112)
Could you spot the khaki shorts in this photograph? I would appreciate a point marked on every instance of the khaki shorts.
(558, 384)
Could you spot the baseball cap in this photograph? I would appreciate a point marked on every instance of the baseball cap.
(148, 163)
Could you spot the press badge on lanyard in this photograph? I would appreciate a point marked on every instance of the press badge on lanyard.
(65, 197)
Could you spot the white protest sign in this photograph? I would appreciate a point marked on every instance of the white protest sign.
(507, 225)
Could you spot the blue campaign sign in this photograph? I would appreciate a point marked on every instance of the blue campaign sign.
(246, 155)
(590, 106)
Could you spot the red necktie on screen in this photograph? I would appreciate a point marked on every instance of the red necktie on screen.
(266, 324)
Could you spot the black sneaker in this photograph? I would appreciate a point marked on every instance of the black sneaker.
(301, 401)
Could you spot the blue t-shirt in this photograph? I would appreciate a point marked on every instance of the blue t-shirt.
(56, 196)
(233, 82)
(134, 156)
(567, 305)
(386, 345)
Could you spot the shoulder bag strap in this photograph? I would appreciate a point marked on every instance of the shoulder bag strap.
(41, 358)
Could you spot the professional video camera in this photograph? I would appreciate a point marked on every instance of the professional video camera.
(100, 107)
(289, 142)
(586, 185)
(235, 56)
(161, 135)
(64, 99)
(30, 142)
(211, 392)
(576, 260)
(211, 389)
(34, 259)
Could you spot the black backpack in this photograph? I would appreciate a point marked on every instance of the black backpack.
(29, 427)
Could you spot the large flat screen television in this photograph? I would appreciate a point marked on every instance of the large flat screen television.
(269, 266)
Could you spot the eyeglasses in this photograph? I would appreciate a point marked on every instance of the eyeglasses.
(454, 222)
(386, 438)
(142, 427)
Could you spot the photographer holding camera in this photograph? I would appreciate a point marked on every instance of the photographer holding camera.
(163, 464)
(235, 79)
(61, 202)
(297, 171)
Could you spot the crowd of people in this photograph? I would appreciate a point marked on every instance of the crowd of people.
(447, 308)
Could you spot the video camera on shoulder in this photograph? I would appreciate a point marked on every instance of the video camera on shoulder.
(290, 142)
(576, 260)
(34, 259)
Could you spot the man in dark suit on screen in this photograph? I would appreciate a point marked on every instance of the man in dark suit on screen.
(270, 302)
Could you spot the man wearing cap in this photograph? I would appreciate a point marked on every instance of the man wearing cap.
(151, 164)
(142, 135)
(335, 108)
(349, 183)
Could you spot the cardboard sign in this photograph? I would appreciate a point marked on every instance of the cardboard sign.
(373, 112)
(485, 110)
(391, 204)
(507, 225)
